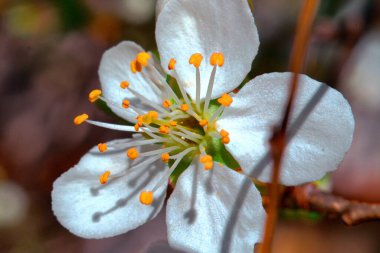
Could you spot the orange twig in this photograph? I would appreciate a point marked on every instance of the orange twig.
(278, 140)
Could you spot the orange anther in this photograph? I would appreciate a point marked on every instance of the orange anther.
(239, 170)
(165, 157)
(166, 103)
(103, 179)
(143, 58)
(208, 165)
(146, 197)
(173, 123)
(140, 120)
(164, 129)
(196, 59)
(94, 95)
(224, 133)
(225, 100)
(226, 140)
(217, 59)
(125, 104)
(184, 107)
(132, 153)
(137, 127)
(171, 64)
(203, 122)
(124, 84)
(135, 66)
(102, 147)
(205, 159)
(80, 119)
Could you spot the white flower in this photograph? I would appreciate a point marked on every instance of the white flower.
(213, 207)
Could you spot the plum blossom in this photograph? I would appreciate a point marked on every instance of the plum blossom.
(192, 131)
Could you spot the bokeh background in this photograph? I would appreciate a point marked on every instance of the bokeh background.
(49, 55)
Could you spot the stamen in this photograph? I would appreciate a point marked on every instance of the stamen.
(198, 89)
(112, 126)
(226, 140)
(196, 59)
(94, 95)
(124, 85)
(143, 58)
(135, 66)
(111, 104)
(207, 162)
(185, 136)
(125, 104)
(102, 147)
(216, 113)
(184, 107)
(80, 119)
(164, 129)
(165, 157)
(225, 100)
(104, 177)
(146, 197)
(195, 135)
(132, 153)
(147, 101)
(159, 151)
(178, 158)
(173, 123)
(171, 64)
(209, 90)
(203, 122)
(217, 59)
(166, 103)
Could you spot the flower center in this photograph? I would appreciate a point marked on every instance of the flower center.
(179, 127)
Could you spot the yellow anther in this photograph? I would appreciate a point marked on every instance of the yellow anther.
(103, 179)
(149, 117)
(224, 133)
(132, 153)
(135, 66)
(225, 100)
(102, 147)
(94, 95)
(171, 64)
(165, 157)
(226, 140)
(143, 58)
(196, 59)
(207, 162)
(217, 59)
(164, 129)
(184, 107)
(80, 119)
(166, 103)
(124, 84)
(125, 104)
(173, 123)
(146, 197)
(203, 122)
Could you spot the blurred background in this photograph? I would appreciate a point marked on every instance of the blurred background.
(49, 55)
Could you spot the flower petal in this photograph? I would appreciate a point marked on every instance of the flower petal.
(213, 211)
(198, 26)
(115, 68)
(320, 129)
(91, 210)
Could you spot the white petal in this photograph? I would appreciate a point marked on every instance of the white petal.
(160, 4)
(213, 211)
(321, 127)
(198, 26)
(115, 68)
(91, 210)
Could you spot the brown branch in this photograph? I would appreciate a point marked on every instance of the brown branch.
(350, 211)
(278, 140)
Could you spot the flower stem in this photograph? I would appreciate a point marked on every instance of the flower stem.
(278, 140)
